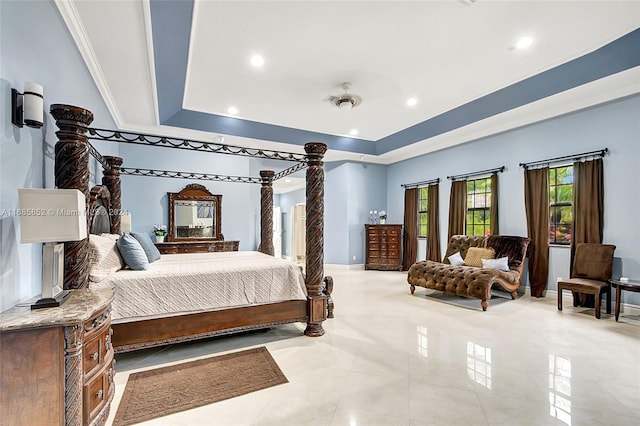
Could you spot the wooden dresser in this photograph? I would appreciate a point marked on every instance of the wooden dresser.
(196, 246)
(383, 247)
(57, 364)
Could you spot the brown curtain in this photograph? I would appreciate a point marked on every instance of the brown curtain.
(493, 219)
(536, 200)
(433, 233)
(410, 242)
(457, 208)
(588, 204)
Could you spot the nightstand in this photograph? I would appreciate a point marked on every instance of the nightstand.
(57, 364)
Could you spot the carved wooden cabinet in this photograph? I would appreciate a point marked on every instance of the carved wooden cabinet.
(383, 247)
(57, 364)
(196, 246)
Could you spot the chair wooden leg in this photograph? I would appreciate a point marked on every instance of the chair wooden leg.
(608, 293)
(412, 288)
(598, 298)
(559, 298)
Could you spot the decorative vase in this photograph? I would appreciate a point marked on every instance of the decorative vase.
(159, 238)
(383, 221)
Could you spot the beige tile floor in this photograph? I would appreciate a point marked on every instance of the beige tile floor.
(390, 358)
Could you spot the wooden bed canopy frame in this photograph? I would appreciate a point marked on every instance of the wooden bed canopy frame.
(72, 152)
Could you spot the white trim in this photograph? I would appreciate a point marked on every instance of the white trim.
(359, 266)
(146, 13)
(71, 18)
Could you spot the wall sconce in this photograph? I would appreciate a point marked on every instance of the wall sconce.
(27, 108)
(52, 216)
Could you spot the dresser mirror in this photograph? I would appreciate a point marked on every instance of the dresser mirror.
(194, 214)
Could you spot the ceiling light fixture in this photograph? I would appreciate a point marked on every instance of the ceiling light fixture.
(232, 110)
(347, 100)
(353, 132)
(412, 101)
(257, 61)
(524, 42)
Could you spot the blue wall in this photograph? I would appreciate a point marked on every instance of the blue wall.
(146, 197)
(34, 46)
(615, 125)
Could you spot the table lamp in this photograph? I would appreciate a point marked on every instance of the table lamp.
(52, 216)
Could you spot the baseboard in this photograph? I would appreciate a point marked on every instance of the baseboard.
(567, 300)
(357, 267)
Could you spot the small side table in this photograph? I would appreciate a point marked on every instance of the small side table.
(631, 285)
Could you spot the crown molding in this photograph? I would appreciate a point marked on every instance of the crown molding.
(71, 18)
(146, 12)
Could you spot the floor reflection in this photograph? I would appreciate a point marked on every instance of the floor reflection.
(560, 388)
(423, 344)
(479, 364)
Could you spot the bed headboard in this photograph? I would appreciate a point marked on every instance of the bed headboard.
(99, 208)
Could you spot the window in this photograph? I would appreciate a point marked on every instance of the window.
(423, 211)
(478, 207)
(560, 204)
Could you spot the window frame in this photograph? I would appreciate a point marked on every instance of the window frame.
(423, 190)
(554, 204)
(486, 225)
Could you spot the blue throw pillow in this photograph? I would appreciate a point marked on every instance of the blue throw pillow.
(147, 245)
(132, 252)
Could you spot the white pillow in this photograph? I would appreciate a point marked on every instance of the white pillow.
(104, 258)
(456, 259)
(502, 263)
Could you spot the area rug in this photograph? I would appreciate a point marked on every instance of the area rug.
(468, 302)
(156, 393)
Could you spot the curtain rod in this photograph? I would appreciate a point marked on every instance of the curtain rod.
(421, 183)
(597, 154)
(473, 174)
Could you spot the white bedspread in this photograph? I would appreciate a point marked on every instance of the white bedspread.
(182, 283)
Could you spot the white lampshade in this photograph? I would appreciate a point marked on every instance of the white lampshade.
(33, 104)
(125, 222)
(52, 215)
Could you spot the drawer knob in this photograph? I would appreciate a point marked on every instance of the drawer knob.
(100, 393)
(95, 356)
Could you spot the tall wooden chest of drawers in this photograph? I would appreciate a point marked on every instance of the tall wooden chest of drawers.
(383, 247)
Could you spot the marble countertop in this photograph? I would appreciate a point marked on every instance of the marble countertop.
(79, 307)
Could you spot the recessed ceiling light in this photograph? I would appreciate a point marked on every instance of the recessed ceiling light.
(412, 101)
(232, 110)
(353, 132)
(287, 180)
(257, 61)
(524, 42)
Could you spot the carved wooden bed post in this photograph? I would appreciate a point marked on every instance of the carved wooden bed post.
(111, 179)
(72, 172)
(315, 239)
(266, 212)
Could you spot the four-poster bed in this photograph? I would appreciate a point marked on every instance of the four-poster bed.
(72, 171)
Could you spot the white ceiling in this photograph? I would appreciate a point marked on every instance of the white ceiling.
(444, 53)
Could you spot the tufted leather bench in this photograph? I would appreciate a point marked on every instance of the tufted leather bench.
(469, 281)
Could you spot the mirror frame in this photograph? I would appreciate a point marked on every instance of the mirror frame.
(195, 192)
